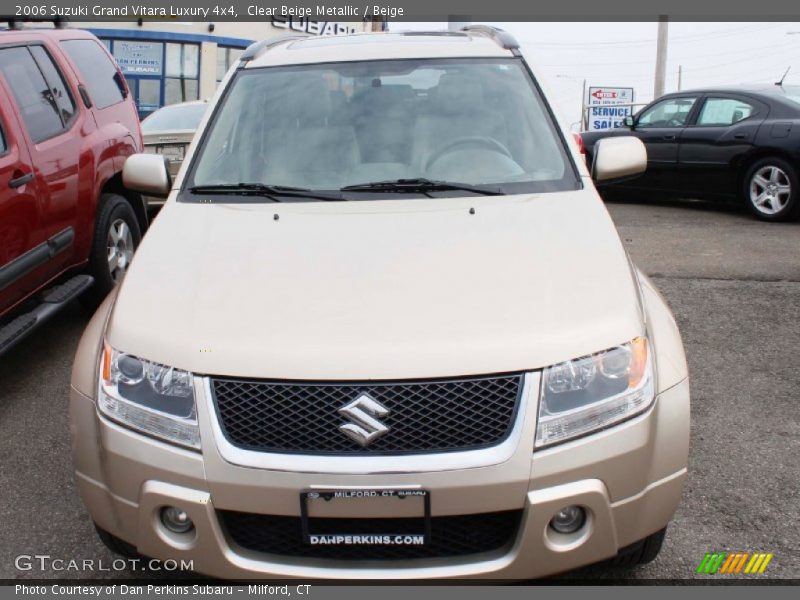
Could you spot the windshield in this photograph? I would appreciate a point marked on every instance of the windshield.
(172, 118)
(792, 92)
(331, 126)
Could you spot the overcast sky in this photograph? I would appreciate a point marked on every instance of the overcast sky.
(623, 54)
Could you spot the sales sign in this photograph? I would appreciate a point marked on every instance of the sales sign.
(608, 106)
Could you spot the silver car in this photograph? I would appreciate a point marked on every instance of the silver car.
(169, 131)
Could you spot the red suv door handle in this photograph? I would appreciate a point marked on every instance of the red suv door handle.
(20, 180)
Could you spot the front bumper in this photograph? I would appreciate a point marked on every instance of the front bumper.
(629, 478)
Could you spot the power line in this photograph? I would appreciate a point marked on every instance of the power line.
(694, 69)
(732, 62)
(676, 51)
(685, 39)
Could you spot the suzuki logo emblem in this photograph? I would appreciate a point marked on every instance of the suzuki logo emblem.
(363, 426)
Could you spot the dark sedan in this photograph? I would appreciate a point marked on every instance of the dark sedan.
(741, 143)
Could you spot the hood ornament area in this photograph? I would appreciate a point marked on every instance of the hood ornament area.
(363, 426)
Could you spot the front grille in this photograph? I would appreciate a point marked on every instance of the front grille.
(450, 536)
(425, 416)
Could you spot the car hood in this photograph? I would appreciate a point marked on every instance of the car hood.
(378, 289)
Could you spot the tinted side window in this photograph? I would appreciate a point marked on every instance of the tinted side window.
(669, 113)
(58, 87)
(97, 71)
(724, 111)
(35, 100)
(3, 145)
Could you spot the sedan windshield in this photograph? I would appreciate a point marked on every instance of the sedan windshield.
(403, 126)
(792, 92)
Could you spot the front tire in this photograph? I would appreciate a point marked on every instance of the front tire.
(116, 545)
(116, 237)
(639, 553)
(771, 189)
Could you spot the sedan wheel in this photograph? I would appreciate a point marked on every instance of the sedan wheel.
(770, 189)
(120, 249)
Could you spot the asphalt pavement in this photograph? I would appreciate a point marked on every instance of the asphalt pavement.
(734, 286)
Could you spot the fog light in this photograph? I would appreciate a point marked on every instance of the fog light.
(569, 519)
(176, 520)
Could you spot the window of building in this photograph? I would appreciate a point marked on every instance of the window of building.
(182, 72)
(97, 71)
(148, 94)
(723, 112)
(42, 96)
(225, 58)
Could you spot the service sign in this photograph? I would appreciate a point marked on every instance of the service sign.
(607, 107)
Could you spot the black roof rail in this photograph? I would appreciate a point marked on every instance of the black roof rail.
(15, 23)
(502, 37)
(256, 48)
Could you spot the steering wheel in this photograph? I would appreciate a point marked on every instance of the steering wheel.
(675, 122)
(472, 140)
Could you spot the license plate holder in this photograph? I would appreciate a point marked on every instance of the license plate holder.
(172, 152)
(419, 537)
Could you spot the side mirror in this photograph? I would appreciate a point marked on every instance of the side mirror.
(147, 173)
(629, 121)
(618, 157)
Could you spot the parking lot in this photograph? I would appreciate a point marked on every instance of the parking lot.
(734, 285)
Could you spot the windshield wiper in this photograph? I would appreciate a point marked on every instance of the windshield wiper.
(267, 191)
(420, 185)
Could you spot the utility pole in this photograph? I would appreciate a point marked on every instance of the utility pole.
(680, 76)
(584, 115)
(456, 22)
(661, 57)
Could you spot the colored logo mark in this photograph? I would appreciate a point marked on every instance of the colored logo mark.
(718, 563)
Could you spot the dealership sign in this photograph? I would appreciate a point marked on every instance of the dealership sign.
(608, 106)
(313, 27)
(139, 58)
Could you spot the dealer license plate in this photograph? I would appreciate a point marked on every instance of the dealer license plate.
(172, 152)
(386, 517)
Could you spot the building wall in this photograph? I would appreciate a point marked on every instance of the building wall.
(169, 62)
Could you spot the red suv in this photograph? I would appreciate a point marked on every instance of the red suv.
(67, 224)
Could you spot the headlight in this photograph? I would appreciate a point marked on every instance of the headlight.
(591, 393)
(149, 397)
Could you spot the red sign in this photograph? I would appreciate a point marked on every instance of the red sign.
(599, 94)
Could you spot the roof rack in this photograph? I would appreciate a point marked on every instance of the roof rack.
(15, 23)
(256, 48)
(437, 33)
(503, 38)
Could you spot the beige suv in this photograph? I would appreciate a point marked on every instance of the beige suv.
(383, 328)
